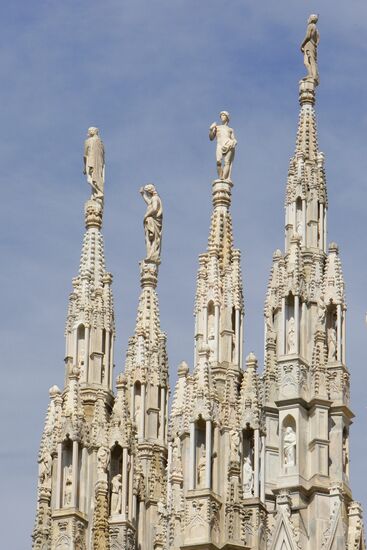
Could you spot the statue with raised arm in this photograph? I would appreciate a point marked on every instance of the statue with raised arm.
(309, 49)
(94, 163)
(152, 222)
(226, 143)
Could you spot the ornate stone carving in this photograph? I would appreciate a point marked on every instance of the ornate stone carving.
(289, 447)
(116, 495)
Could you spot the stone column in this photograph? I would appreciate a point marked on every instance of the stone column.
(339, 331)
(59, 476)
(192, 465)
(217, 339)
(208, 447)
(124, 487)
(163, 411)
(344, 339)
(111, 360)
(296, 320)
(256, 462)
(74, 494)
(321, 221)
(142, 418)
(75, 346)
(132, 498)
(205, 331)
(262, 492)
(237, 337)
(283, 329)
(304, 227)
(303, 350)
(86, 352)
(325, 230)
(107, 359)
(132, 396)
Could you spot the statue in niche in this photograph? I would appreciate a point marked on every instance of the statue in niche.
(116, 494)
(291, 336)
(234, 446)
(309, 49)
(103, 460)
(331, 342)
(94, 163)
(68, 485)
(45, 469)
(269, 321)
(321, 311)
(201, 466)
(176, 455)
(211, 343)
(226, 143)
(152, 222)
(248, 477)
(345, 454)
(137, 417)
(289, 447)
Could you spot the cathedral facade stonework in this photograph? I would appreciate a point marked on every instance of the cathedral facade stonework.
(242, 460)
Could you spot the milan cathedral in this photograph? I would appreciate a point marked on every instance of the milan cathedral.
(243, 460)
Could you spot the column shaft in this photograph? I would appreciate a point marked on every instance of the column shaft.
(142, 411)
(74, 493)
(59, 477)
(339, 332)
(124, 488)
(296, 320)
(208, 446)
(217, 339)
(192, 465)
(256, 463)
(163, 411)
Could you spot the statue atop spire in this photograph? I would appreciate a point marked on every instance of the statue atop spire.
(94, 163)
(226, 143)
(309, 49)
(152, 222)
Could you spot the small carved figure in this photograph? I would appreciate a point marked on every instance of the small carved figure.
(137, 417)
(94, 163)
(331, 341)
(201, 466)
(176, 453)
(211, 343)
(309, 49)
(152, 222)
(321, 311)
(269, 322)
(226, 143)
(234, 446)
(289, 447)
(103, 459)
(291, 336)
(248, 477)
(116, 494)
(45, 469)
(68, 485)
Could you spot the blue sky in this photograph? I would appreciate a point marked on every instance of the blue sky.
(152, 75)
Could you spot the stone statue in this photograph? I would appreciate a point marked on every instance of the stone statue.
(45, 469)
(331, 341)
(201, 466)
(68, 485)
(234, 446)
(289, 447)
(152, 222)
(94, 163)
(269, 321)
(321, 311)
(116, 494)
(292, 336)
(226, 143)
(309, 49)
(248, 478)
(103, 460)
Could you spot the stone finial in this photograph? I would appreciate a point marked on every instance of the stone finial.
(226, 143)
(333, 248)
(148, 273)
(222, 194)
(54, 391)
(183, 369)
(93, 214)
(251, 359)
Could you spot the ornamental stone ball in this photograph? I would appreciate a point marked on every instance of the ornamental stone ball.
(309, 49)
(226, 143)
(94, 163)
